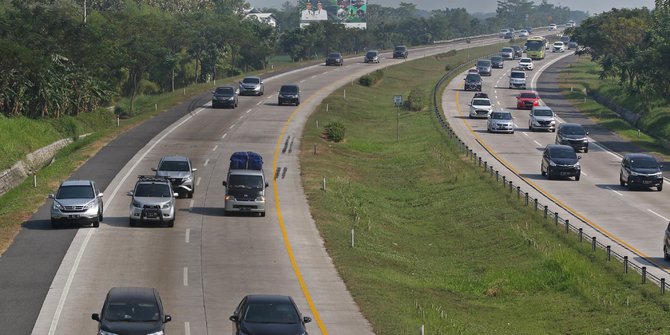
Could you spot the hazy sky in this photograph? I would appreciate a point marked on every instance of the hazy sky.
(473, 6)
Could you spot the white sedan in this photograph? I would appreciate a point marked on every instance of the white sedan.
(526, 63)
(558, 47)
(523, 33)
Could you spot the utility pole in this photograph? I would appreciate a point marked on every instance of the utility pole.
(84, 11)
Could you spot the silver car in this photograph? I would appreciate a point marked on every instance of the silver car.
(251, 85)
(500, 122)
(542, 118)
(507, 53)
(77, 202)
(180, 172)
(153, 201)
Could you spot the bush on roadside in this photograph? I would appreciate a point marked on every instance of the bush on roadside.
(416, 101)
(335, 131)
(371, 78)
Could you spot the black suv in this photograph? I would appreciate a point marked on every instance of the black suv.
(289, 93)
(574, 135)
(560, 161)
(132, 310)
(473, 82)
(334, 58)
(497, 62)
(400, 51)
(371, 56)
(518, 51)
(225, 96)
(642, 170)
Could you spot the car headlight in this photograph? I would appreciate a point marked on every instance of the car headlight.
(58, 206)
(260, 198)
(89, 205)
(230, 197)
(189, 178)
(167, 205)
(160, 332)
(577, 165)
(102, 332)
(551, 163)
(585, 139)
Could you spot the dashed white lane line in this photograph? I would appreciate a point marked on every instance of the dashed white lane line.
(191, 203)
(215, 147)
(302, 81)
(617, 192)
(224, 135)
(659, 215)
(259, 103)
(187, 328)
(231, 126)
(241, 117)
(185, 276)
(248, 111)
(197, 181)
(206, 162)
(314, 76)
(536, 142)
(583, 173)
(187, 237)
(525, 134)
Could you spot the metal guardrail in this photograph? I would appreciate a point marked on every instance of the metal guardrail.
(535, 202)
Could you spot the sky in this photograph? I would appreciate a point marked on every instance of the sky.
(487, 6)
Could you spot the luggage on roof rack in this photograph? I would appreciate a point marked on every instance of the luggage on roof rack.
(246, 160)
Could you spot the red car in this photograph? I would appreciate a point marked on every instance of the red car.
(526, 100)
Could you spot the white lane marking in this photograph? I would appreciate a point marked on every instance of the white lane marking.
(224, 135)
(215, 147)
(525, 134)
(187, 328)
(302, 81)
(248, 111)
(187, 238)
(206, 162)
(619, 193)
(231, 126)
(314, 76)
(659, 215)
(75, 266)
(197, 181)
(241, 117)
(259, 103)
(191, 203)
(185, 276)
(584, 173)
(536, 142)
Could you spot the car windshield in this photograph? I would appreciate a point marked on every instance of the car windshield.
(241, 182)
(289, 89)
(334, 55)
(558, 44)
(543, 112)
(501, 116)
(400, 48)
(174, 166)
(473, 77)
(371, 54)
(528, 96)
(153, 190)
(75, 192)
(507, 50)
(251, 80)
(271, 313)
(525, 60)
(573, 130)
(484, 63)
(518, 75)
(496, 59)
(481, 102)
(562, 153)
(644, 163)
(225, 91)
(131, 312)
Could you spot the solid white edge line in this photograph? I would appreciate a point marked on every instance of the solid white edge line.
(617, 192)
(187, 328)
(185, 276)
(197, 181)
(659, 215)
(187, 236)
(190, 204)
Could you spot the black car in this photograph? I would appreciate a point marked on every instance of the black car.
(130, 311)
(473, 82)
(666, 243)
(518, 51)
(497, 62)
(268, 315)
(559, 161)
(371, 56)
(400, 51)
(334, 58)
(289, 93)
(574, 135)
(641, 170)
(225, 96)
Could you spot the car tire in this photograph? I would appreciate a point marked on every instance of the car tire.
(226, 213)
(542, 172)
(170, 223)
(54, 223)
(586, 150)
(189, 195)
(621, 181)
(262, 214)
(95, 223)
(279, 102)
(297, 103)
(659, 187)
(577, 177)
(630, 185)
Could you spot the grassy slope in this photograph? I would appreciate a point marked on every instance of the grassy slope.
(440, 244)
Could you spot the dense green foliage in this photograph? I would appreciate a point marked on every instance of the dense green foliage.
(371, 78)
(335, 131)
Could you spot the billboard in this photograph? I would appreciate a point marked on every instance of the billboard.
(351, 13)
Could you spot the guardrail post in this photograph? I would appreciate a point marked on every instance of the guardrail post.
(535, 203)
(625, 264)
(511, 187)
(496, 176)
(662, 285)
(526, 199)
(545, 211)
(567, 226)
(485, 166)
(474, 156)
(556, 218)
(644, 274)
(518, 192)
(609, 253)
(581, 234)
(593, 243)
(480, 161)
(504, 181)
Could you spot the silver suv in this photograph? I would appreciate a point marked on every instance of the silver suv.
(252, 85)
(542, 118)
(78, 202)
(180, 172)
(153, 200)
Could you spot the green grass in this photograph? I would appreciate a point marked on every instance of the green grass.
(439, 243)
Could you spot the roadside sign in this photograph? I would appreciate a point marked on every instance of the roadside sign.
(397, 100)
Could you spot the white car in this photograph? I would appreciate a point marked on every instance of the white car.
(480, 108)
(526, 63)
(558, 47)
(541, 118)
(553, 26)
(523, 33)
(503, 32)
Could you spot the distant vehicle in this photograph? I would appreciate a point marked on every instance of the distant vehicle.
(518, 51)
(517, 78)
(572, 45)
(268, 315)
(503, 32)
(641, 170)
(400, 51)
(497, 62)
(535, 47)
(474, 70)
(571, 23)
(77, 202)
(507, 53)
(553, 26)
(245, 184)
(473, 82)
(371, 56)
(153, 201)
(180, 172)
(289, 93)
(500, 122)
(481, 95)
(542, 118)
(225, 96)
(509, 35)
(574, 135)
(558, 47)
(484, 67)
(334, 58)
(252, 85)
(524, 33)
(480, 108)
(527, 100)
(560, 161)
(565, 39)
(130, 311)
(529, 30)
(526, 63)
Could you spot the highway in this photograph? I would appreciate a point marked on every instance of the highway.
(54, 279)
(633, 222)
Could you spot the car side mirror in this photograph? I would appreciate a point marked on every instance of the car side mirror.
(307, 319)
(266, 184)
(579, 157)
(168, 318)
(587, 133)
(100, 195)
(194, 169)
(660, 166)
(95, 316)
(234, 318)
(51, 196)
(175, 194)
(224, 183)
(154, 169)
(212, 92)
(130, 194)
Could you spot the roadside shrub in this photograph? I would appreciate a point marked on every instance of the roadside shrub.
(335, 131)
(371, 78)
(416, 101)
(448, 67)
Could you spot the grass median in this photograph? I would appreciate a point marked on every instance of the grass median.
(438, 242)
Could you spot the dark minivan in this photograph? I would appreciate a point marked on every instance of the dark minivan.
(130, 311)
(574, 135)
(400, 51)
(497, 62)
(289, 93)
(560, 161)
(268, 315)
(641, 170)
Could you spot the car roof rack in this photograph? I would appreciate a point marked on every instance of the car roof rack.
(152, 178)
